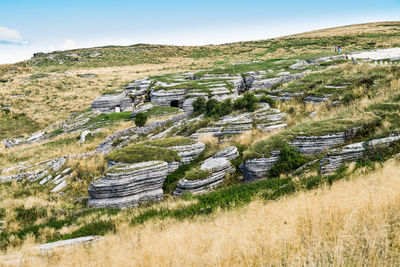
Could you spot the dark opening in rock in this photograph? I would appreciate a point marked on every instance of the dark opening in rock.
(175, 103)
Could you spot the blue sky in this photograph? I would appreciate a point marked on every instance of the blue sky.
(28, 26)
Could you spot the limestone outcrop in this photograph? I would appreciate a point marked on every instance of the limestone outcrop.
(268, 83)
(255, 169)
(313, 145)
(129, 185)
(170, 97)
(109, 103)
(352, 152)
(230, 152)
(188, 152)
(218, 167)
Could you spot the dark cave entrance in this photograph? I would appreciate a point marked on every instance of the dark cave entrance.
(175, 103)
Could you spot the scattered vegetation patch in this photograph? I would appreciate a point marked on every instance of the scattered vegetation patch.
(171, 142)
(142, 153)
(13, 125)
(197, 174)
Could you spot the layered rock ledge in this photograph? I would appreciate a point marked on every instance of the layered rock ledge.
(218, 168)
(129, 185)
(256, 169)
(352, 152)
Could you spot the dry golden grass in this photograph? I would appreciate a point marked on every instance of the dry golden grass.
(353, 223)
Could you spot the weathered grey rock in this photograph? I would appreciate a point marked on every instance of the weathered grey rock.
(170, 97)
(83, 136)
(57, 164)
(36, 136)
(214, 131)
(315, 100)
(129, 185)
(255, 169)
(87, 75)
(269, 119)
(142, 109)
(59, 187)
(352, 152)
(106, 146)
(46, 179)
(237, 124)
(187, 104)
(189, 152)
(230, 152)
(299, 65)
(268, 83)
(325, 59)
(45, 248)
(313, 145)
(110, 103)
(219, 167)
(11, 142)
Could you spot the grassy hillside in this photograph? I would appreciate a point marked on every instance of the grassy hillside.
(43, 88)
(291, 218)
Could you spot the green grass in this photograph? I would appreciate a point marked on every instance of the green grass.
(170, 142)
(13, 125)
(104, 119)
(112, 92)
(143, 153)
(197, 174)
(161, 111)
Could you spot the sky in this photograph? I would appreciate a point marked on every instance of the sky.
(29, 26)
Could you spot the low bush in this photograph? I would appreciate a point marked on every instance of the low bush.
(289, 160)
(140, 119)
(199, 105)
(266, 99)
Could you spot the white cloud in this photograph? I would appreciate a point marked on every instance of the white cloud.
(8, 36)
(68, 45)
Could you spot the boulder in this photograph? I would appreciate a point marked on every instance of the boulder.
(231, 152)
(129, 185)
(256, 169)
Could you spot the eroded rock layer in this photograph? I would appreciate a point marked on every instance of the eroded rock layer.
(129, 185)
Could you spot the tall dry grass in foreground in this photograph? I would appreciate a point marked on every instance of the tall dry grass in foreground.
(355, 222)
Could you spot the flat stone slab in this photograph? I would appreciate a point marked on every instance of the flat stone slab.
(69, 242)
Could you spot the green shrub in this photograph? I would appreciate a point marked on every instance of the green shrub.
(247, 102)
(269, 100)
(213, 108)
(173, 178)
(289, 160)
(140, 119)
(349, 97)
(199, 105)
